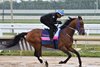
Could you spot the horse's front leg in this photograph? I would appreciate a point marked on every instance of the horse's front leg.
(78, 55)
(64, 49)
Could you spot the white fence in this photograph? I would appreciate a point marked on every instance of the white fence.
(18, 28)
(86, 14)
(73, 11)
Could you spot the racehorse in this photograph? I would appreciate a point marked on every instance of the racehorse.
(65, 39)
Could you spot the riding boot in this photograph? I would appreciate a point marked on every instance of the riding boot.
(55, 30)
(51, 34)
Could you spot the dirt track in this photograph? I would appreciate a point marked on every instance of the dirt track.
(29, 61)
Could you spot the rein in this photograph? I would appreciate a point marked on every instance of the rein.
(71, 28)
(67, 33)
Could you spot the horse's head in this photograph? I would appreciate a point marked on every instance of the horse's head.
(79, 25)
(75, 24)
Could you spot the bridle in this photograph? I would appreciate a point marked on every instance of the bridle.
(77, 28)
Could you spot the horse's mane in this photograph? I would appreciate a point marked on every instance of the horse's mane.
(67, 22)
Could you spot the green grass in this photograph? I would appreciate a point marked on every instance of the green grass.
(86, 51)
(38, 21)
(89, 50)
(91, 21)
(21, 21)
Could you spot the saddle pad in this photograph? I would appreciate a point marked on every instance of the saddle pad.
(46, 39)
(45, 35)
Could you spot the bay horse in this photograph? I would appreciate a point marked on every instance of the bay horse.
(65, 39)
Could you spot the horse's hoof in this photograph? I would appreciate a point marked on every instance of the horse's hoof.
(61, 62)
(80, 65)
(41, 61)
(46, 63)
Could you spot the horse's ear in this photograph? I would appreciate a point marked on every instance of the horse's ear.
(70, 18)
(79, 17)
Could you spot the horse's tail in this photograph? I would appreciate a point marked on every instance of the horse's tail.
(16, 39)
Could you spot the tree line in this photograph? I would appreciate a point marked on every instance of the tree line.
(67, 4)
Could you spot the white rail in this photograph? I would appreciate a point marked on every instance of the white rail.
(18, 28)
(85, 13)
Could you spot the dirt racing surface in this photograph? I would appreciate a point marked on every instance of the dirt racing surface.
(31, 61)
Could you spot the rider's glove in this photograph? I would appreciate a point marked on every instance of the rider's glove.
(59, 22)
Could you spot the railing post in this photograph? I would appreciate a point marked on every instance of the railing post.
(75, 44)
(1, 33)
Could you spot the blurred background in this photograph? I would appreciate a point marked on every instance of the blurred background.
(28, 10)
(18, 16)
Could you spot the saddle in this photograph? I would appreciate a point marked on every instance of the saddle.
(46, 38)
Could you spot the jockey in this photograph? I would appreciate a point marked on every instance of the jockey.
(50, 20)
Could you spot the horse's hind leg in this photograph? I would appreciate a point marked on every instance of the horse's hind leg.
(78, 55)
(40, 60)
(38, 53)
(67, 52)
